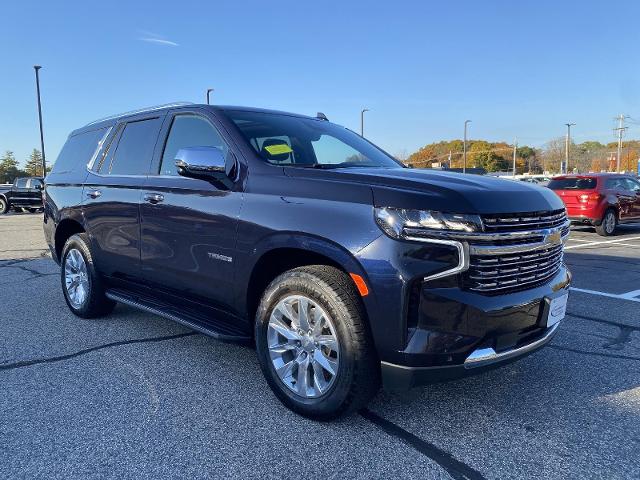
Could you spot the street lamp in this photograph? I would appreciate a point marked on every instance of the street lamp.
(464, 147)
(209, 90)
(44, 162)
(566, 148)
(362, 121)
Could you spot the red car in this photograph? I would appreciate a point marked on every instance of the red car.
(600, 199)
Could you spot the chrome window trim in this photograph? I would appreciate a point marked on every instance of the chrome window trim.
(93, 158)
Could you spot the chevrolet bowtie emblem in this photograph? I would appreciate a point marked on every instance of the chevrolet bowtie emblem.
(554, 238)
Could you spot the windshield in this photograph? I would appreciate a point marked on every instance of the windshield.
(573, 183)
(304, 142)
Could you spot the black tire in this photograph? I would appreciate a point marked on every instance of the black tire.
(33, 210)
(358, 375)
(4, 206)
(608, 224)
(96, 303)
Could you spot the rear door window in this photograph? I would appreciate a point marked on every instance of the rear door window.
(35, 183)
(573, 183)
(135, 148)
(615, 184)
(21, 183)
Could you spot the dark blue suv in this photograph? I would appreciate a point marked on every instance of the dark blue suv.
(346, 269)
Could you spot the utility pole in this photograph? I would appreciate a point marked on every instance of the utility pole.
(464, 147)
(362, 121)
(566, 149)
(621, 128)
(44, 162)
(209, 90)
(515, 148)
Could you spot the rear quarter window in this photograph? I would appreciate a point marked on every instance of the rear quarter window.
(77, 151)
(573, 184)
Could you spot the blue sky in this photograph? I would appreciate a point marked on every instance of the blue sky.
(516, 69)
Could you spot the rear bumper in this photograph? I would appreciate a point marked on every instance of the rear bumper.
(584, 219)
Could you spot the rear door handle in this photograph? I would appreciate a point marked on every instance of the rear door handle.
(153, 198)
(94, 194)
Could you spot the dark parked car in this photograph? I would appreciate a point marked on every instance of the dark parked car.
(346, 269)
(25, 193)
(602, 200)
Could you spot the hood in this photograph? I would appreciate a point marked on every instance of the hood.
(440, 190)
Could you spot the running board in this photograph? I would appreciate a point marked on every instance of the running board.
(139, 303)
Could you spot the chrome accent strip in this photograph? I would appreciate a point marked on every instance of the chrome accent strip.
(98, 149)
(416, 234)
(463, 256)
(549, 239)
(487, 356)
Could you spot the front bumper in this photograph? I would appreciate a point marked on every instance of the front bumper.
(401, 377)
(460, 333)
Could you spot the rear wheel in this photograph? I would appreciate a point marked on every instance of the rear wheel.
(4, 206)
(313, 343)
(609, 223)
(33, 210)
(81, 284)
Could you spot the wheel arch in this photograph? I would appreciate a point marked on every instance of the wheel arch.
(283, 252)
(65, 229)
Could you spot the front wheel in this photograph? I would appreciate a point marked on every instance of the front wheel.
(81, 284)
(4, 206)
(608, 225)
(314, 345)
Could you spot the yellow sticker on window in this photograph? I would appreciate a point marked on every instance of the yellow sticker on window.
(279, 149)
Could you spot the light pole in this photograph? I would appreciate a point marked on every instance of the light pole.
(362, 121)
(44, 162)
(464, 147)
(566, 149)
(209, 90)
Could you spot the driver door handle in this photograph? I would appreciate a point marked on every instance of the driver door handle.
(94, 194)
(153, 198)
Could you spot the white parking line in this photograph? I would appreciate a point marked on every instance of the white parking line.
(624, 296)
(602, 242)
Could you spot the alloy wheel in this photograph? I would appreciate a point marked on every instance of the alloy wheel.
(303, 346)
(609, 222)
(76, 278)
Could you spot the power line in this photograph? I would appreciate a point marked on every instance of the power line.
(621, 128)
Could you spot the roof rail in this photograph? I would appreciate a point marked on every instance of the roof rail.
(141, 110)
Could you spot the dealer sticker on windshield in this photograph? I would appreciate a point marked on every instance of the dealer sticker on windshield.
(557, 309)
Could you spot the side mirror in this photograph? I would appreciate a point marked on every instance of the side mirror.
(201, 162)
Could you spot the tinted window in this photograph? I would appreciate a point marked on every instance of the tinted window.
(615, 184)
(21, 183)
(35, 182)
(188, 131)
(572, 183)
(77, 151)
(135, 148)
(292, 140)
(631, 185)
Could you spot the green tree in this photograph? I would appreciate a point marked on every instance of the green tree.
(8, 167)
(34, 164)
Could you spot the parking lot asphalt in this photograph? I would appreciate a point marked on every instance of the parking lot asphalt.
(135, 396)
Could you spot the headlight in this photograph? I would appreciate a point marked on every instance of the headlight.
(400, 222)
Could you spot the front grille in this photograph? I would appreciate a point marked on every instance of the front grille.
(509, 267)
(524, 221)
(513, 271)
